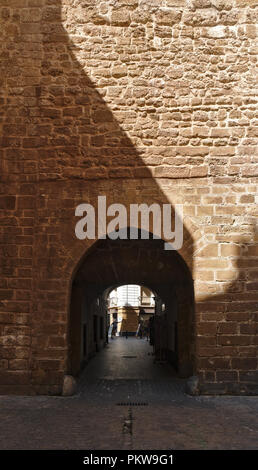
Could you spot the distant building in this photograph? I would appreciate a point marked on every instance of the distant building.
(130, 304)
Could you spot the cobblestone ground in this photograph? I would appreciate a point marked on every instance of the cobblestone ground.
(92, 419)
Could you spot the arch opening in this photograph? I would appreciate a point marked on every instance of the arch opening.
(110, 266)
(130, 309)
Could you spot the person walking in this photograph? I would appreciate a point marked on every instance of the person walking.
(114, 328)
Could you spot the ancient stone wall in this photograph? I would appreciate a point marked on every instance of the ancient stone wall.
(144, 101)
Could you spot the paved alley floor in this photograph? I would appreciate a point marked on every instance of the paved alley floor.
(125, 401)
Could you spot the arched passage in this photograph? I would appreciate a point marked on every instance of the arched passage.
(110, 263)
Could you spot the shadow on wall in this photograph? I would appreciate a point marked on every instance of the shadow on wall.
(58, 127)
(60, 137)
(227, 354)
(62, 146)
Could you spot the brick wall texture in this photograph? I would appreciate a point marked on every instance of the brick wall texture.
(144, 101)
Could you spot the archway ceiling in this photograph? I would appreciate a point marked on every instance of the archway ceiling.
(116, 262)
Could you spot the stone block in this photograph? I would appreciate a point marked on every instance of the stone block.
(69, 386)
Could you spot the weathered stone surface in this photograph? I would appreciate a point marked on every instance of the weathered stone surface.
(168, 16)
(192, 386)
(120, 17)
(69, 386)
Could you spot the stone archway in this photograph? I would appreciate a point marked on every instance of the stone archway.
(144, 262)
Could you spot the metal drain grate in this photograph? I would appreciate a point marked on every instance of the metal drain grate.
(129, 403)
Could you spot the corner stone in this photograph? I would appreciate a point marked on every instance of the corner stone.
(192, 386)
(69, 386)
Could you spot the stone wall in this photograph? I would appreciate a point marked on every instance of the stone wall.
(144, 101)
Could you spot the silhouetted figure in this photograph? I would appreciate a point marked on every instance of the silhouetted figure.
(114, 328)
(147, 332)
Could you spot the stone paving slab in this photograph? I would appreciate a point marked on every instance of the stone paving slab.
(92, 420)
(75, 423)
(151, 391)
(206, 423)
